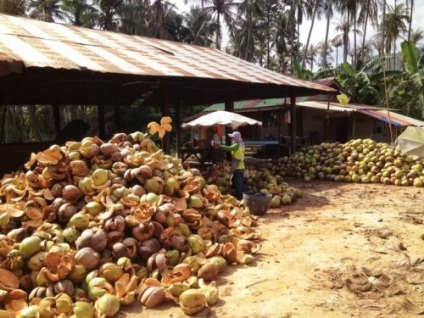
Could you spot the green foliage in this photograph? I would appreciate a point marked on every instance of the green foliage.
(359, 84)
(301, 72)
(406, 88)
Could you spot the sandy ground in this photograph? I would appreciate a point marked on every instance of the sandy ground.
(342, 250)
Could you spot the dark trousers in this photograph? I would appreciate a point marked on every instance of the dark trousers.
(237, 183)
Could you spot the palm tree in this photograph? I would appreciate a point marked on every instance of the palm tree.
(312, 54)
(350, 8)
(329, 14)
(201, 1)
(45, 10)
(134, 16)
(283, 40)
(394, 26)
(416, 36)
(295, 18)
(109, 14)
(162, 13)
(248, 12)
(301, 9)
(344, 26)
(266, 28)
(381, 29)
(376, 43)
(79, 12)
(201, 27)
(365, 52)
(222, 9)
(368, 13)
(13, 7)
(316, 13)
(410, 8)
(337, 42)
(324, 54)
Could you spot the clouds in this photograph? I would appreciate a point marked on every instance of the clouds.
(418, 16)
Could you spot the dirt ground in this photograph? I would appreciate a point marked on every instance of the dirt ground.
(342, 250)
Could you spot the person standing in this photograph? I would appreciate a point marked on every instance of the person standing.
(237, 161)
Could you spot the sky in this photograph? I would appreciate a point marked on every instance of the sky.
(318, 33)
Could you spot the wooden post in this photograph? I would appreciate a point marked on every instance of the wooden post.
(293, 124)
(229, 106)
(56, 118)
(178, 126)
(166, 141)
(279, 128)
(117, 118)
(101, 120)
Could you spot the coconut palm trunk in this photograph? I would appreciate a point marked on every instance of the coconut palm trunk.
(411, 10)
(327, 30)
(314, 14)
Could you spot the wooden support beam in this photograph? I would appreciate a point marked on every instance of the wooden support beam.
(177, 125)
(166, 141)
(293, 124)
(101, 120)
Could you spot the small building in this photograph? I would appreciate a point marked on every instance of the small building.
(55, 66)
(317, 118)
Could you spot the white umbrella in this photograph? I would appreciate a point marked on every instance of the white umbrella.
(411, 141)
(223, 118)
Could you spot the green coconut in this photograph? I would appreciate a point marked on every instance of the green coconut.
(275, 201)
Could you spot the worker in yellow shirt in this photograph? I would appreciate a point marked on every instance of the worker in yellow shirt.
(237, 161)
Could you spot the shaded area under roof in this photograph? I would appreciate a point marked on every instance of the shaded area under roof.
(59, 63)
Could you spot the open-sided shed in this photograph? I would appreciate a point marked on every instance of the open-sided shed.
(52, 63)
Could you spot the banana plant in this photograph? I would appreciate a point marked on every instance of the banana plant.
(414, 71)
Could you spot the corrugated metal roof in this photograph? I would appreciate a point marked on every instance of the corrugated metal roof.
(38, 44)
(337, 107)
(249, 105)
(376, 112)
(392, 117)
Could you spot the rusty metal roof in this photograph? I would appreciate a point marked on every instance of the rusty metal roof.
(388, 116)
(28, 45)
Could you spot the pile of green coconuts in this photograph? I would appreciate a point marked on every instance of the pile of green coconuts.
(358, 160)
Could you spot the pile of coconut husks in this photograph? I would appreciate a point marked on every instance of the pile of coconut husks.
(95, 225)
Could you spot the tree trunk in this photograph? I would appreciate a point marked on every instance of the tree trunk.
(410, 20)
(305, 51)
(345, 46)
(354, 37)
(365, 30)
(326, 32)
(394, 54)
(268, 48)
(218, 31)
(383, 22)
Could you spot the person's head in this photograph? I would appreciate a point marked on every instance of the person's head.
(235, 137)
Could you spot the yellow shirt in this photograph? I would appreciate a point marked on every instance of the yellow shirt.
(237, 153)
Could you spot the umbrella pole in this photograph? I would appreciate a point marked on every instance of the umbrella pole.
(229, 106)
